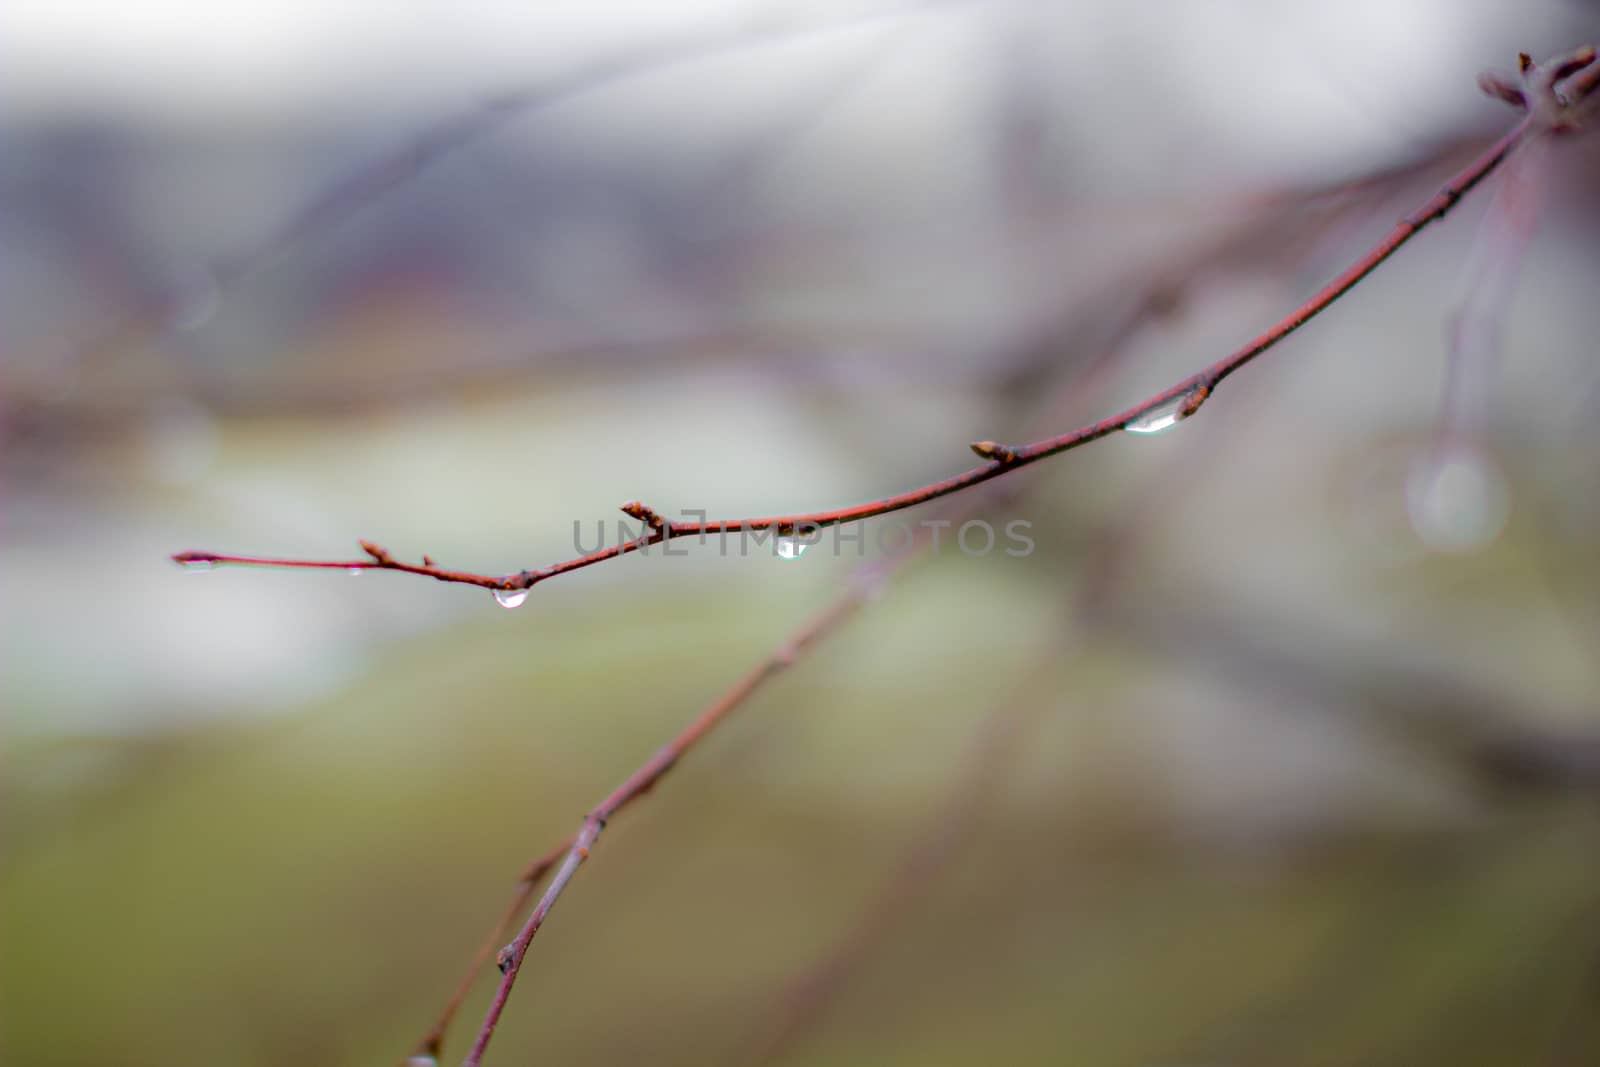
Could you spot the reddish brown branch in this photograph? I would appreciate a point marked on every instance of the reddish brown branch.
(1558, 97)
(1178, 400)
(642, 781)
(432, 1042)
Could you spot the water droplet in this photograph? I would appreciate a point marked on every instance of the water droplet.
(791, 547)
(1458, 502)
(510, 598)
(422, 1061)
(197, 565)
(1168, 415)
(355, 572)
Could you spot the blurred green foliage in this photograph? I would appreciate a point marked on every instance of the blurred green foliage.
(307, 889)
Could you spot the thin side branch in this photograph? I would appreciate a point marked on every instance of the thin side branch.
(641, 782)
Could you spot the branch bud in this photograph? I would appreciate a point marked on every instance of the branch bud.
(647, 515)
(993, 451)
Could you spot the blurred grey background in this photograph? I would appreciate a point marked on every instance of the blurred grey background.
(1280, 747)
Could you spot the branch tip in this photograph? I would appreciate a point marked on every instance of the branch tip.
(379, 554)
(1560, 92)
(645, 514)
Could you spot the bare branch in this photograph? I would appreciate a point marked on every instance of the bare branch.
(1179, 400)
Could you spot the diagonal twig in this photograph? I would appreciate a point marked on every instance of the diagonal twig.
(1178, 401)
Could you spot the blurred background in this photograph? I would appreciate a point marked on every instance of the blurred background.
(1281, 746)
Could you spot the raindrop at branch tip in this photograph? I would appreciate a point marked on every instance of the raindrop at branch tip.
(198, 566)
(1458, 502)
(1168, 415)
(791, 547)
(510, 598)
(422, 1061)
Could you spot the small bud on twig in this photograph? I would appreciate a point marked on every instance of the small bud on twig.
(1192, 402)
(645, 514)
(993, 450)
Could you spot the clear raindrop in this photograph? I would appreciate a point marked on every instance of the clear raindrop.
(355, 572)
(1168, 415)
(510, 598)
(791, 547)
(198, 565)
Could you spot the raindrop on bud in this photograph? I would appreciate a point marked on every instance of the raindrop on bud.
(510, 598)
(1163, 418)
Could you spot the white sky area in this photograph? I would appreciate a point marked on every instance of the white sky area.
(179, 56)
(1266, 87)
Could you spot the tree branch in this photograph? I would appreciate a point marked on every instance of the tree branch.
(1172, 404)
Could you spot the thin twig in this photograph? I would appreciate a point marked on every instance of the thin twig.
(1181, 399)
(642, 781)
(432, 1042)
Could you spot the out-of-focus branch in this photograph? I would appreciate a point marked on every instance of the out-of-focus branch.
(345, 200)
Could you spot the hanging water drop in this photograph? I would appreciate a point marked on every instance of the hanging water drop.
(510, 598)
(1163, 418)
(791, 547)
(422, 1061)
(355, 572)
(197, 565)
